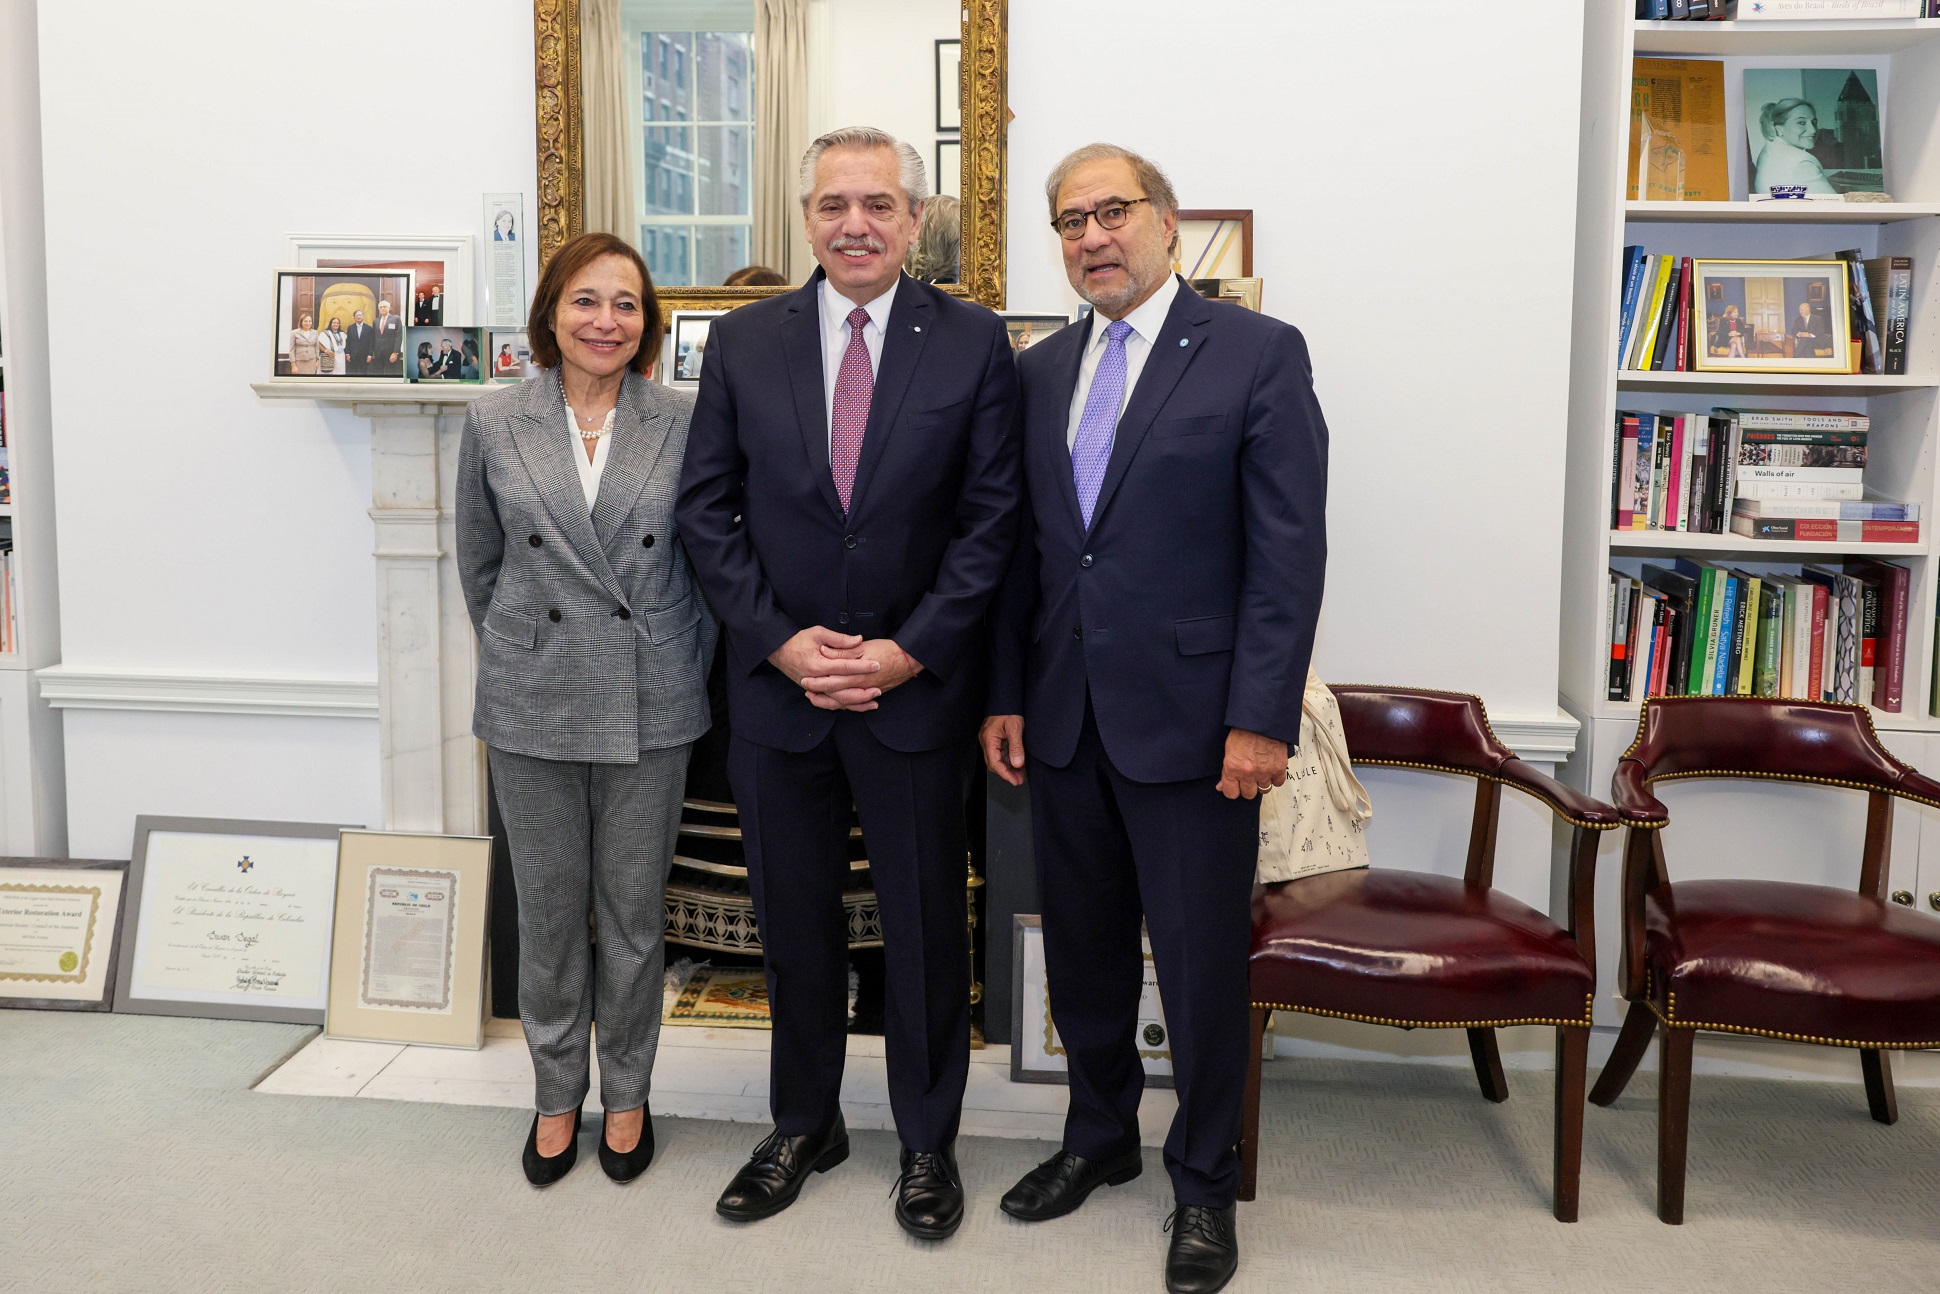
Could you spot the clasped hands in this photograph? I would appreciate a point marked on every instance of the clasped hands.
(843, 671)
(1253, 764)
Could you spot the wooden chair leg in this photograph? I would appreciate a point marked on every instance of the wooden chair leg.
(1572, 1064)
(1488, 1064)
(1632, 1043)
(1878, 1069)
(1249, 1130)
(1673, 1119)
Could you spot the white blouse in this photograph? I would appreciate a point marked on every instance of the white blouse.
(591, 471)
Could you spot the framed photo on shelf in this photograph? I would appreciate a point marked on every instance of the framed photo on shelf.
(60, 933)
(1036, 1051)
(228, 920)
(1215, 244)
(1026, 330)
(444, 354)
(1770, 317)
(949, 168)
(686, 347)
(339, 323)
(408, 962)
(440, 264)
(1813, 132)
(949, 85)
(511, 352)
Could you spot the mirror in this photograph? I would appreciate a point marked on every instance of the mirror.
(680, 125)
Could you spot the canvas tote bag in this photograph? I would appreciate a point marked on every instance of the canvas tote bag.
(1317, 822)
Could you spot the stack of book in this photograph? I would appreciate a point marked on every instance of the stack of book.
(1785, 10)
(1823, 633)
(1657, 332)
(1760, 473)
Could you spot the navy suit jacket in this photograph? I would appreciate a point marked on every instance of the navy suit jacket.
(1189, 607)
(931, 524)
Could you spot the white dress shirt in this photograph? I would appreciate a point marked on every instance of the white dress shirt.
(835, 309)
(1146, 321)
(590, 472)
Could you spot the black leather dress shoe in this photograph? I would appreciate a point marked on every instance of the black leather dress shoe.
(929, 1194)
(1204, 1252)
(543, 1171)
(1061, 1183)
(625, 1165)
(773, 1177)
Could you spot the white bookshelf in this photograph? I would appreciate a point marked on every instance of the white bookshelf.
(1903, 408)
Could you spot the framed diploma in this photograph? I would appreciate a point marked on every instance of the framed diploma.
(228, 920)
(408, 962)
(1036, 1051)
(59, 933)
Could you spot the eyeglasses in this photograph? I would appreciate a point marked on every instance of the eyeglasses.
(1110, 216)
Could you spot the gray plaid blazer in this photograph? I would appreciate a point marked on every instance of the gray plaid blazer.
(593, 638)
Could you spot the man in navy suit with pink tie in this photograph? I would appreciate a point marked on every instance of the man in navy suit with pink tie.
(1150, 655)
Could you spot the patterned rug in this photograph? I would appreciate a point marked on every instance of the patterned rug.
(731, 997)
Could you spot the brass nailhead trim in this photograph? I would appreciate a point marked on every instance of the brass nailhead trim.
(1669, 1019)
(1584, 1023)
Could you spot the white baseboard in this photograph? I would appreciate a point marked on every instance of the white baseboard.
(71, 687)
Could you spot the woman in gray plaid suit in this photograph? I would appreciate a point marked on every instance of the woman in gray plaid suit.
(593, 646)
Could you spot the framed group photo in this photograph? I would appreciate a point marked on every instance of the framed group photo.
(340, 323)
(441, 267)
(1771, 317)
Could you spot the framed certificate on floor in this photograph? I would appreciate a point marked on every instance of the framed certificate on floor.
(1036, 1052)
(409, 948)
(59, 932)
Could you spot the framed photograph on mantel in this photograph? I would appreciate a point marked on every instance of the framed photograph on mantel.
(1771, 317)
(340, 323)
(440, 264)
(59, 932)
(228, 920)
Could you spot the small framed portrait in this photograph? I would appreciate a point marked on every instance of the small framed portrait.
(949, 168)
(445, 354)
(1771, 317)
(511, 355)
(686, 347)
(340, 323)
(949, 85)
(59, 933)
(1027, 330)
(1814, 132)
(1215, 244)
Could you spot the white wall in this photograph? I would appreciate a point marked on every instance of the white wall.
(202, 531)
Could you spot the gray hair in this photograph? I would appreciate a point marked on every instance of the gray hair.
(1150, 177)
(938, 249)
(915, 186)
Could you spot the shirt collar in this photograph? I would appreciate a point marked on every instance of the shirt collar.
(835, 307)
(1148, 318)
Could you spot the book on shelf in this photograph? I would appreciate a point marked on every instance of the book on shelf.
(1816, 632)
(1677, 135)
(1824, 530)
(1821, 10)
(1866, 354)
(1828, 509)
(1889, 283)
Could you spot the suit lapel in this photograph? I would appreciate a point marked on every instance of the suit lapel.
(1056, 419)
(801, 346)
(1182, 337)
(544, 441)
(911, 319)
(639, 437)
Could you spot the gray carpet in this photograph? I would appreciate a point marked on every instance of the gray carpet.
(133, 1158)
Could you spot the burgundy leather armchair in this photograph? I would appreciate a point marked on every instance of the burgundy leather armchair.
(1806, 963)
(1422, 951)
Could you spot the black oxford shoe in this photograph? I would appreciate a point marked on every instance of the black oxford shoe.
(625, 1165)
(1204, 1252)
(541, 1170)
(929, 1194)
(773, 1177)
(1061, 1183)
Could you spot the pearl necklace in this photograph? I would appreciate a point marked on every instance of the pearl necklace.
(605, 427)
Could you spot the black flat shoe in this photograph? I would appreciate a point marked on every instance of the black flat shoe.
(1064, 1181)
(773, 1176)
(625, 1165)
(1204, 1252)
(929, 1194)
(541, 1171)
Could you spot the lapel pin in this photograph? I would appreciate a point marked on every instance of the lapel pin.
(919, 327)
(1184, 342)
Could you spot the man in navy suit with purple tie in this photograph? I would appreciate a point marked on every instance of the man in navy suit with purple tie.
(1150, 655)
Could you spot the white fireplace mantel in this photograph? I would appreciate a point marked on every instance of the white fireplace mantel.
(433, 769)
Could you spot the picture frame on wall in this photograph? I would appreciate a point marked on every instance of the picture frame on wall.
(949, 168)
(228, 919)
(340, 324)
(1764, 316)
(949, 85)
(60, 933)
(686, 347)
(445, 262)
(444, 354)
(1036, 1053)
(1215, 243)
(408, 948)
(1027, 330)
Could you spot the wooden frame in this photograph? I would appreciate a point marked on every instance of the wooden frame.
(97, 961)
(986, 114)
(1242, 217)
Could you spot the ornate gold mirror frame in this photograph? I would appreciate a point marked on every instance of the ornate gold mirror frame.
(986, 114)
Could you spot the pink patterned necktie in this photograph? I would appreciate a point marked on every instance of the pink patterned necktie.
(855, 383)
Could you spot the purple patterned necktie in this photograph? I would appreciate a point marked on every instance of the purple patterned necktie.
(1091, 449)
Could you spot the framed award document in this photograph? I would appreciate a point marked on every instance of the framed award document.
(229, 920)
(1036, 1051)
(59, 933)
(409, 946)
